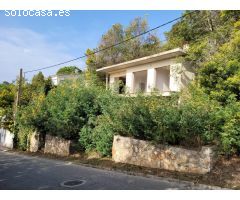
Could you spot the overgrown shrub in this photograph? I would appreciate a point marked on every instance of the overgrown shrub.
(65, 111)
(70, 107)
(165, 113)
(7, 93)
(198, 124)
(230, 129)
(103, 135)
(22, 137)
(86, 138)
(154, 118)
(97, 133)
(189, 120)
(133, 118)
(92, 115)
(30, 118)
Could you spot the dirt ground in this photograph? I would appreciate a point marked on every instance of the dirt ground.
(226, 172)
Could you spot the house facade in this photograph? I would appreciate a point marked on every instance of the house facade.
(57, 79)
(162, 73)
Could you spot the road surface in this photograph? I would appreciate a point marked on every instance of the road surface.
(28, 172)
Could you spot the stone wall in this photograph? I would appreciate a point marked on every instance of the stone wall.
(34, 142)
(6, 138)
(57, 146)
(143, 153)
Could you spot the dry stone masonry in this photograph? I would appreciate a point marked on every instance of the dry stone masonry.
(143, 153)
(57, 146)
(34, 142)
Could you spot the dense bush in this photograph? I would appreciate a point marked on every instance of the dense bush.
(70, 107)
(97, 133)
(103, 135)
(189, 122)
(133, 118)
(30, 118)
(7, 93)
(92, 115)
(69, 111)
(229, 116)
(166, 115)
(22, 138)
(158, 119)
(198, 124)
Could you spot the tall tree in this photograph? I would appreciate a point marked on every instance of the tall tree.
(213, 37)
(135, 48)
(220, 76)
(38, 80)
(7, 94)
(140, 46)
(115, 54)
(91, 60)
(68, 70)
(192, 27)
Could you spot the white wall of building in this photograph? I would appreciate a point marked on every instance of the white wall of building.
(163, 79)
(57, 79)
(175, 77)
(165, 75)
(6, 138)
(187, 75)
(54, 80)
(140, 81)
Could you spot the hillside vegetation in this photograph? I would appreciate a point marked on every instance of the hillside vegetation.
(85, 112)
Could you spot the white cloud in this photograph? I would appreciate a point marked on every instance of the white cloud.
(24, 48)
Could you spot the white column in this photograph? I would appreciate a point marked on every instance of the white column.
(107, 84)
(175, 77)
(111, 82)
(151, 79)
(130, 82)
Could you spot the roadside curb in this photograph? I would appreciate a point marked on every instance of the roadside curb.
(192, 185)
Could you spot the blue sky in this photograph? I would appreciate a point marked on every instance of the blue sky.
(33, 42)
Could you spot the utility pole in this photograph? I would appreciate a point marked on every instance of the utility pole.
(19, 93)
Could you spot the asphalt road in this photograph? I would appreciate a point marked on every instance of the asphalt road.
(27, 172)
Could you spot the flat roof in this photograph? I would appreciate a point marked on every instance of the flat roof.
(147, 59)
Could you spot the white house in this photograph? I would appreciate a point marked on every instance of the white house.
(57, 79)
(162, 72)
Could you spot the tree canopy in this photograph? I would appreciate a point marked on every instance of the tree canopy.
(7, 94)
(214, 38)
(141, 46)
(67, 70)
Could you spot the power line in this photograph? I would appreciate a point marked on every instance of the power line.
(111, 46)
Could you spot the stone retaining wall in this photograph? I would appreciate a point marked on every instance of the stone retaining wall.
(34, 142)
(6, 138)
(57, 146)
(143, 153)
